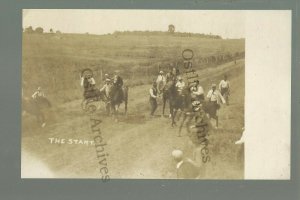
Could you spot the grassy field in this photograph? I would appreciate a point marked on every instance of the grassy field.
(138, 146)
(55, 61)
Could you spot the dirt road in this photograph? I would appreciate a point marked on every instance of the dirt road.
(138, 146)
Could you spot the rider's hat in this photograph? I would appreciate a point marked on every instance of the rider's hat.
(179, 78)
(107, 80)
(161, 72)
(39, 88)
(213, 85)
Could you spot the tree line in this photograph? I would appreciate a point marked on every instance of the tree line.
(39, 30)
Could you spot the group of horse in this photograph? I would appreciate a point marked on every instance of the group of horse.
(112, 101)
(183, 102)
(177, 102)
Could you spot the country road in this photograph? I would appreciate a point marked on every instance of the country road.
(138, 146)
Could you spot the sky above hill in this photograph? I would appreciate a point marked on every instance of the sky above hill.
(227, 24)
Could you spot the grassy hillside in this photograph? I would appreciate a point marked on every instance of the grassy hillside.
(54, 61)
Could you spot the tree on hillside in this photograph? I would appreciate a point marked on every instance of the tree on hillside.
(51, 30)
(171, 28)
(39, 30)
(58, 32)
(29, 29)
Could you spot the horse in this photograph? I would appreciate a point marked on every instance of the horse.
(211, 109)
(35, 107)
(117, 96)
(175, 99)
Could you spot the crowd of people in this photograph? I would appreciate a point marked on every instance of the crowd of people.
(114, 84)
(186, 167)
(214, 95)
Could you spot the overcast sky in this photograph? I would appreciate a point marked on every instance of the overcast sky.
(228, 24)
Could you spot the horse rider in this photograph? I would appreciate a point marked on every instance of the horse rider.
(106, 89)
(88, 83)
(215, 98)
(197, 91)
(172, 75)
(106, 76)
(118, 84)
(40, 95)
(153, 96)
(180, 85)
(161, 82)
(224, 86)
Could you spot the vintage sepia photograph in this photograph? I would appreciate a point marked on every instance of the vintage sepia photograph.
(133, 94)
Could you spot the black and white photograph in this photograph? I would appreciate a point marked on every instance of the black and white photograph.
(133, 94)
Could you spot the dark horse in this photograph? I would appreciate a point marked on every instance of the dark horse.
(195, 112)
(211, 109)
(190, 108)
(36, 107)
(117, 96)
(176, 100)
(203, 110)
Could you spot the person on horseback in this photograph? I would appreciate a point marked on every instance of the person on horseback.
(88, 83)
(214, 98)
(224, 87)
(38, 93)
(106, 89)
(161, 82)
(197, 91)
(153, 96)
(106, 76)
(172, 75)
(39, 96)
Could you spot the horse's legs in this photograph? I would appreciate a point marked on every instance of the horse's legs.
(227, 99)
(180, 113)
(108, 108)
(112, 109)
(172, 113)
(41, 119)
(125, 102)
(216, 118)
(164, 105)
(181, 125)
(171, 109)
